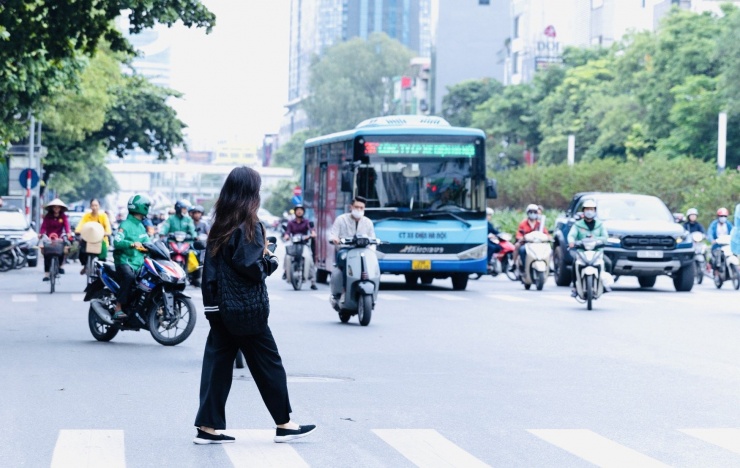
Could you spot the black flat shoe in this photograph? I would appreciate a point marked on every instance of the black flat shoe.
(286, 435)
(204, 438)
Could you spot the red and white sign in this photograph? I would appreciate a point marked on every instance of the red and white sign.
(297, 191)
(550, 32)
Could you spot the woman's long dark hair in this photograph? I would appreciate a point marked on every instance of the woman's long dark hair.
(237, 204)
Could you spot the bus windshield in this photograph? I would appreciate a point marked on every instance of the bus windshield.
(396, 184)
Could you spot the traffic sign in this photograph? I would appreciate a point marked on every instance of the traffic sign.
(297, 191)
(296, 200)
(23, 178)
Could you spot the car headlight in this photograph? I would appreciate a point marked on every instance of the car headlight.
(614, 238)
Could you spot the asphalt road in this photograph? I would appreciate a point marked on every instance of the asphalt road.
(494, 375)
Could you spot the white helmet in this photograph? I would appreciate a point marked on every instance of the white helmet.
(489, 211)
(692, 211)
(589, 204)
(532, 207)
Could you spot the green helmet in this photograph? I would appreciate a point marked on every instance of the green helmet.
(139, 204)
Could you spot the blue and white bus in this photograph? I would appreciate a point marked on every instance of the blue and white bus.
(426, 189)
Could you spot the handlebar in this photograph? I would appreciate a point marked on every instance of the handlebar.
(360, 241)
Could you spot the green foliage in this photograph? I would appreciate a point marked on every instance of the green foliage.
(462, 99)
(508, 220)
(41, 42)
(280, 196)
(290, 154)
(352, 81)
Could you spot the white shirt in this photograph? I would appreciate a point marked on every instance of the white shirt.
(346, 226)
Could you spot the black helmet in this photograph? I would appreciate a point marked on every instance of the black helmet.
(299, 205)
(179, 206)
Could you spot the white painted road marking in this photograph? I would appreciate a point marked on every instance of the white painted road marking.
(448, 297)
(563, 298)
(255, 448)
(728, 439)
(392, 297)
(507, 298)
(629, 300)
(594, 448)
(77, 297)
(323, 297)
(89, 448)
(428, 448)
(24, 298)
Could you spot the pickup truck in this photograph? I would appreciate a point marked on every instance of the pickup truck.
(644, 239)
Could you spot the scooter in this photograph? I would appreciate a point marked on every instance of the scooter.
(729, 265)
(536, 268)
(700, 256)
(358, 290)
(588, 268)
(297, 269)
(501, 261)
(8, 253)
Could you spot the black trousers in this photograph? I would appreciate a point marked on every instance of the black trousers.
(47, 262)
(265, 365)
(126, 277)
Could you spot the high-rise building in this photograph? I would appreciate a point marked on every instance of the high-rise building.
(469, 42)
(318, 24)
(154, 44)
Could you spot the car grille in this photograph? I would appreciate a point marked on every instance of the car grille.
(649, 242)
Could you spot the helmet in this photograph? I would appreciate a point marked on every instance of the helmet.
(139, 204)
(180, 205)
(197, 208)
(723, 212)
(692, 211)
(532, 207)
(57, 202)
(589, 204)
(489, 211)
(299, 205)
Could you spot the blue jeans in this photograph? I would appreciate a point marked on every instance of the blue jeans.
(493, 249)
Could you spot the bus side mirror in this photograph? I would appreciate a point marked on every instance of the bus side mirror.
(346, 185)
(491, 191)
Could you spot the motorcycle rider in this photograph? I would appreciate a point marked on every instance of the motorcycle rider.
(493, 248)
(530, 224)
(718, 227)
(201, 227)
(301, 226)
(180, 221)
(128, 254)
(691, 224)
(584, 228)
(349, 225)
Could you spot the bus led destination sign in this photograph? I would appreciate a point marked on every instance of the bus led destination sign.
(442, 150)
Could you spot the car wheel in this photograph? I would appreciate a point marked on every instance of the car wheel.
(561, 268)
(683, 279)
(649, 281)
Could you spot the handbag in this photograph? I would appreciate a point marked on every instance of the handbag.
(244, 305)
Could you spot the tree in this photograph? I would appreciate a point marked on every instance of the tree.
(41, 42)
(290, 154)
(353, 81)
(461, 100)
(280, 197)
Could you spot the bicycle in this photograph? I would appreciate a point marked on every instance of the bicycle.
(55, 248)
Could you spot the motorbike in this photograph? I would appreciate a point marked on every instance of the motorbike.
(588, 268)
(729, 265)
(157, 304)
(297, 269)
(501, 261)
(700, 256)
(11, 255)
(181, 248)
(361, 280)
(536, 268)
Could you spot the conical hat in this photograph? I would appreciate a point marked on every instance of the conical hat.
(92, 232)
(57, 202)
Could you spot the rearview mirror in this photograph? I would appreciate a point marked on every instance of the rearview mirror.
(346, 185)
(491, 189)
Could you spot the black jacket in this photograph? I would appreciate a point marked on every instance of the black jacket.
(247, 260)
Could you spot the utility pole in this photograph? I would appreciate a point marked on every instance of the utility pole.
(571, 150)
(722, 143)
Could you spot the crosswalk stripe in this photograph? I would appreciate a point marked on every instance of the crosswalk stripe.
(77, 297)
(594, 448)
(24, 298)
(727, 438)
(427, 448)
(392, 297)
(275, 297)
(256, 448)
(506, 298)
(629, 300)
(554, 297)
(323, 297)
(448, 297)
(89, 448)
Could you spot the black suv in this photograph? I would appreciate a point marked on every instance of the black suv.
(644, 239)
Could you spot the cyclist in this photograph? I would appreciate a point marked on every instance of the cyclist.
(96, 216)
(55, 223)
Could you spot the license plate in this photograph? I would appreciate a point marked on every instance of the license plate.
(649, 254)
(421, 264)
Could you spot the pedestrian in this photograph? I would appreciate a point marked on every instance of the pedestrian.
(237, 306)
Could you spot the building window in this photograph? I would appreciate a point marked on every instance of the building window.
(515, 63)
(516, 27)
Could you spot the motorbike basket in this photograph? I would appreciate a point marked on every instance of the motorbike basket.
(54, 248)
(294, 250)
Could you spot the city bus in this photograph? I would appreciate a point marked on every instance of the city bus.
(426, 190)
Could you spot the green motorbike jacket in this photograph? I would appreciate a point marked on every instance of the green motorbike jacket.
(131, 230)
(581, 230)
(179, 224)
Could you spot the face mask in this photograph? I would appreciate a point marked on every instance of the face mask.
(533, 216)
(357, 214)
(590, 214)
(722, 219)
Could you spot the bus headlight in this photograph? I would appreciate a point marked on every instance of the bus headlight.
(475, 253)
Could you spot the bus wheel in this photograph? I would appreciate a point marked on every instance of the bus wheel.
(411, 279)
(459, 281)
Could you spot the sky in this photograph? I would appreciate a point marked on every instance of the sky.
(234, 80)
